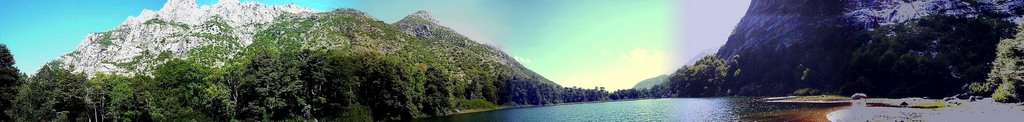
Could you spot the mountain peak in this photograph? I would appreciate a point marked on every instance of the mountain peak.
(173, 5)
(227, 1)
(422, 14)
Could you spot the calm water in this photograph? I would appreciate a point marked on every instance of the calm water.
(667, 109)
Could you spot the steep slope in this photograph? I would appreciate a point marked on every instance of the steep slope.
(786, 45)
(181, 29)
(423, 25)
(460, 73)
(777, 36)
(650, 82)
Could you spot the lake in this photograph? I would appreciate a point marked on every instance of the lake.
(665, 109)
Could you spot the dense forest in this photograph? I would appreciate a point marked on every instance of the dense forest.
(934, 56)
(365, 70)
(345, 66)
(305, 84)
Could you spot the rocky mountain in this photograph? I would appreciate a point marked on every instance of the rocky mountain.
(873, 13)
(423, 25)
(785, 45)
(289, 63)
(181, 29)
(650, 82)
(214, 34)
(775, 18)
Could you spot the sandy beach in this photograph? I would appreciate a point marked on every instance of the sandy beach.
(884, 109)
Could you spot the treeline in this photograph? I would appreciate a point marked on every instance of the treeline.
(271, 80)
(934, 56)
(1004, 82)
(709, 77)
(283, 75)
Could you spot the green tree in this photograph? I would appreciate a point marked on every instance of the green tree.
(1005, 79)
(54, 93)
(176, 90)
(927, 56)
(438, 93)
(385, 86)
(126, 100)
(705, 78)
(10, 78)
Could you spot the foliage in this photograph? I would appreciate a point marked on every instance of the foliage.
(105, 39)
(159, 21)
(1005, 78)
(707, 77)
(1007, 92)
(474, 104)
(52, 93)
(176, 89)
(335, 66)
(10, 78)
(928, 56)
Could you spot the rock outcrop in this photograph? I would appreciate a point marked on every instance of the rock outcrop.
(177, 29)
(781, 38)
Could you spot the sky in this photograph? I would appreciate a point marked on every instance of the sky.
(583, 43)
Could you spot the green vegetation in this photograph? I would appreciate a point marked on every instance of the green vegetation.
(1004, 80)
(340, 66)
(932, 56)
(474, 104)
(9, 81)
(345, 66)
(210, 53)
(650, 82)
(105, 39)
(219, 23)
(807, 91)
(54, 94)
(708, 77)
(159, 21)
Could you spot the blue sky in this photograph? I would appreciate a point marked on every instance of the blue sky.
(585, 43)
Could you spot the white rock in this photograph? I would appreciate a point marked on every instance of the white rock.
(130, 39)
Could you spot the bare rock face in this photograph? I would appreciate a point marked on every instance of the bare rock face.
(780, 24)
(872, 13)
(779, 36)
(774, 25)
(181, 29)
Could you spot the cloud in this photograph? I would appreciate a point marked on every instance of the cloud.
(632, 66)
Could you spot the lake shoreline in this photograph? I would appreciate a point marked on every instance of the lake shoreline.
(825, 108)
(502, 107)
(904, 109)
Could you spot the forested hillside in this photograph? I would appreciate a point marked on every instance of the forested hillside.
(961, 48)
(841, 47)
(341, 65)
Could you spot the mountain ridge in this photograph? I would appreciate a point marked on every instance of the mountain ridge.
(423, 24)
(823, 45)
(172, 32)
(651, 82)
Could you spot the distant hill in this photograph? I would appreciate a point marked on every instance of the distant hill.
(650, 82)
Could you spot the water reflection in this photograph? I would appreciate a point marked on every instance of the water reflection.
(668, 109)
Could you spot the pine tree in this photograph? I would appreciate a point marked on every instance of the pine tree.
(9, 80)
